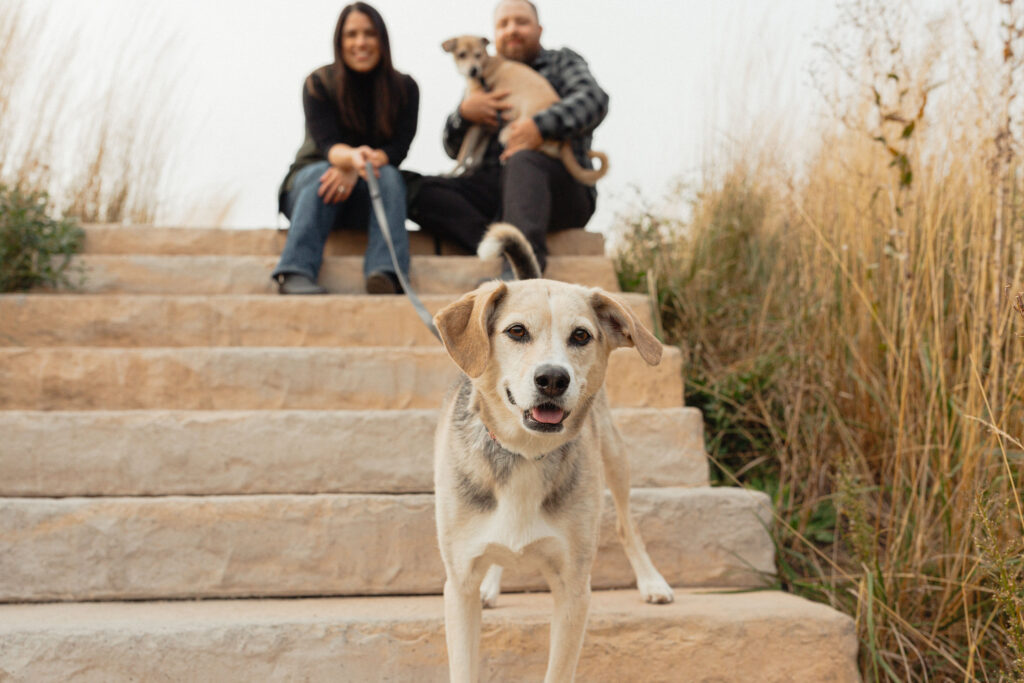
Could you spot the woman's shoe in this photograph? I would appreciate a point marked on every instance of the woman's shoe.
(382, 282)
(296, 283)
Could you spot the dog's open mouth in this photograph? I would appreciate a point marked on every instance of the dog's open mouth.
(546, 417)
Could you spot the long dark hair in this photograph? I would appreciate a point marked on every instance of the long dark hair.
(387, 87)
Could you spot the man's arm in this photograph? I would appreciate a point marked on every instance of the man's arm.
(584, 103)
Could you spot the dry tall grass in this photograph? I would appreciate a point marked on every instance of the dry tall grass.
(97, 133)
(852, 339)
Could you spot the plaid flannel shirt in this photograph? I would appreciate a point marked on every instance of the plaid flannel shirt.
(583, 106)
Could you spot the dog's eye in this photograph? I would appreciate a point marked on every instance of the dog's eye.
(580, 337)
(517, 332)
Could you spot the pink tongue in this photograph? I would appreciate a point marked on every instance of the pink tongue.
(551, 416)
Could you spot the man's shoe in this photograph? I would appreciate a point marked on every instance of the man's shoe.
(382, 282)
(296, 283)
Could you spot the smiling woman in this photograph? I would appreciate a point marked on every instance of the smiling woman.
(359, 110)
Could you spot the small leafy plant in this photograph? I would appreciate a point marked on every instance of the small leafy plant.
(35, 249)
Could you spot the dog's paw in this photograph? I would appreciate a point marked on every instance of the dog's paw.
(490, 589)
(489, 599)
(489, 594)
(656, 590)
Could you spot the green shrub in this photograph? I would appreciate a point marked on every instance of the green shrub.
(35, 249)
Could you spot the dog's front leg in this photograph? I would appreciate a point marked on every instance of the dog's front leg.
(472, 150)
(649, 581)
(571, 595)
(462, 627)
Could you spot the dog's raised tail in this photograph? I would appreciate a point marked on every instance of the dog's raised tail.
(505, 239)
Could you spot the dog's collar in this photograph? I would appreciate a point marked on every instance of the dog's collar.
(494, 438)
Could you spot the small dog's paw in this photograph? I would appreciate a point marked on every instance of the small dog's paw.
(489, 600)
(489, 592)
(490, 589)
(656, 591)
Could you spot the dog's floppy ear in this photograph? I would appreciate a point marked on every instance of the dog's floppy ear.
(463, 327)
(449, 45)
(623, 328)
(485, 42)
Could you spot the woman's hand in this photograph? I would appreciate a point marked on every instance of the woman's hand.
(376, 157)
(336, 184)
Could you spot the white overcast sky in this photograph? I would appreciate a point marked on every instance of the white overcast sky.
(685, 77)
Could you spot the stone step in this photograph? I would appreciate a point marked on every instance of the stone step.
(334, 544)
(227, 320)
(159, 453)
(259, 378)
(156, 274)
(767, 636)
(148, 239)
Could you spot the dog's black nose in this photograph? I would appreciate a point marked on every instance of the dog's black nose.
(551, 380)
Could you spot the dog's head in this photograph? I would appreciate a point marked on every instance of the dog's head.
(470, 53)
(537, 351)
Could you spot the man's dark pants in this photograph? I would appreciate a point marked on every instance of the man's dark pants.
(532, 191)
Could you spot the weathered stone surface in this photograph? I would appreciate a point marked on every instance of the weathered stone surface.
(147, 239)
(131, 453)
(342, 544)
(225, 320)
(155, 274)
(768, 637)
(294, 524)
(260, 378)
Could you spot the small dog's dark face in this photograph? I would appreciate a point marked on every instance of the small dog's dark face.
(470, 53)
(537, 350)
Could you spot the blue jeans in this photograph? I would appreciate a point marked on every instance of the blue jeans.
(312, 221)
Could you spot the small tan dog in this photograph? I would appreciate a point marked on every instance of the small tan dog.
(523, 446)
(529, 93)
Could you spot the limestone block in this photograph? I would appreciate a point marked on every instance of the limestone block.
(132, 453)
(768, 637)
(157, 274)
(344, 544)
(225, 320)
(260, 378)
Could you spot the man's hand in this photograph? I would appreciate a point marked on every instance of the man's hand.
(336, 184)
(482, 107)
(522, 134)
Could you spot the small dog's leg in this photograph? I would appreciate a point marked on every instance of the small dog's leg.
(571, 597)
(462, 630)
(649, 580)
(471, 151)
(490, 589)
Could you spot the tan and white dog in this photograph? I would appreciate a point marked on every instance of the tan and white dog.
(529, 93)
(525, 446)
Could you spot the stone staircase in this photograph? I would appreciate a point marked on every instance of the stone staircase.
(175, 434)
